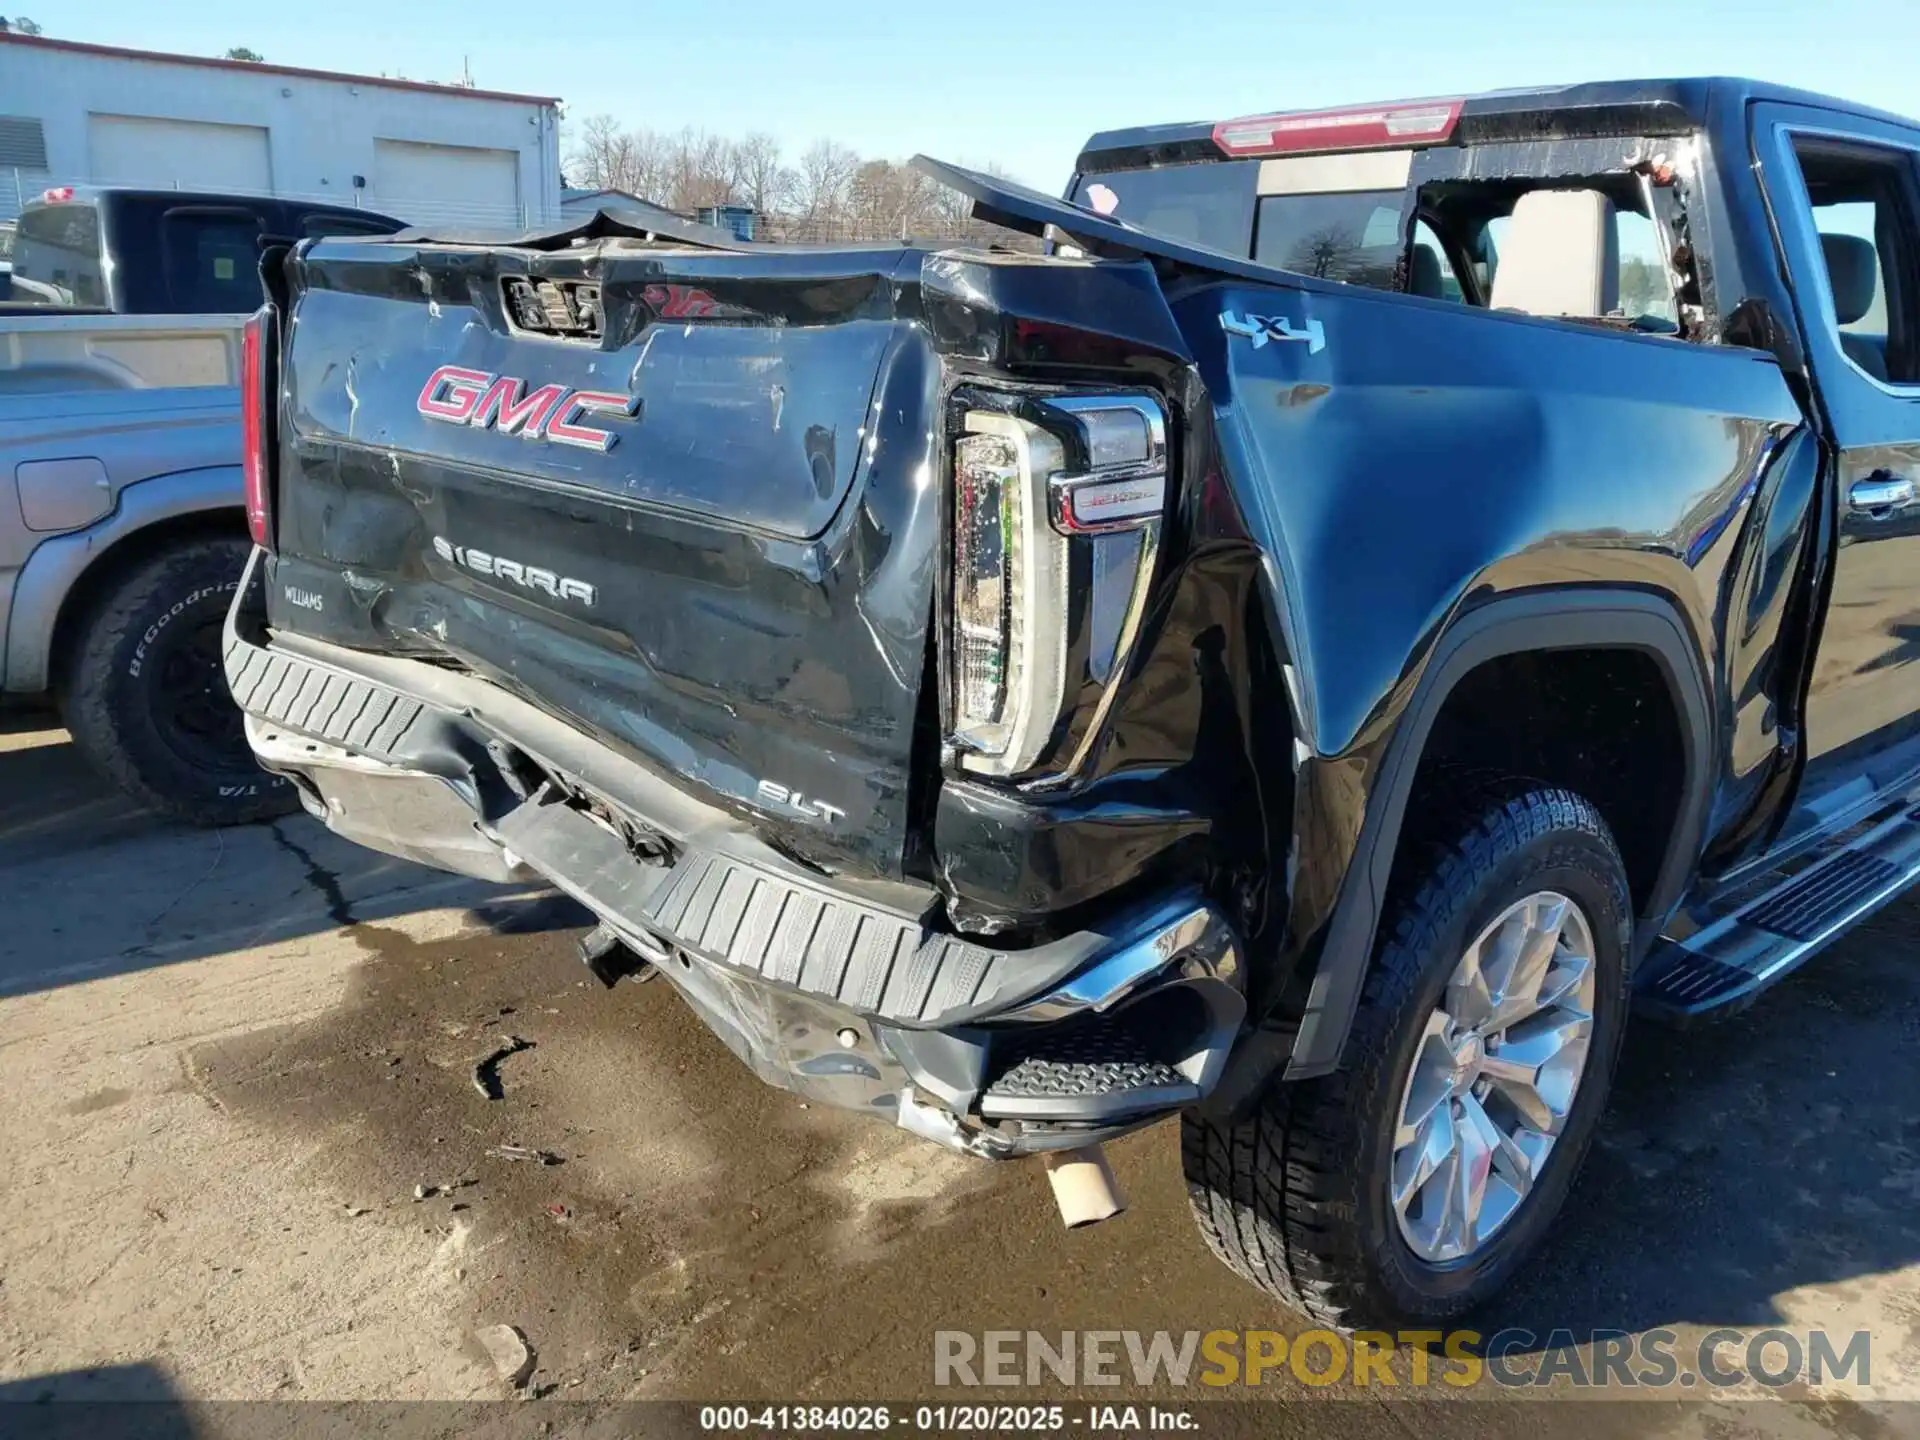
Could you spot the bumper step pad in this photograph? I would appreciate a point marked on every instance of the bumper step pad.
(1099, 1069)
(339, 709)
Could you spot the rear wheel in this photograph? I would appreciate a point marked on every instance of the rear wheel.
(1410, 1184)
(147, 700)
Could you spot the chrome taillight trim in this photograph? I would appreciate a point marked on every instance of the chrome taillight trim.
(1107, 500)
(1120, 494)
(1134, 496)
(1122, 653)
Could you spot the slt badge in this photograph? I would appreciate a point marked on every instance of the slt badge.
(1262, 328)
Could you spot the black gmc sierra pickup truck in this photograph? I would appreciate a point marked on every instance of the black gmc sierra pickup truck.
(1388, 591)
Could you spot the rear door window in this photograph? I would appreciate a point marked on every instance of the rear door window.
(1864, 208)
(211, 259)
(1856, 220)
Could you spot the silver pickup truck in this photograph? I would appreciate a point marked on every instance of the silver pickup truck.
(121, 540)
(122, 527)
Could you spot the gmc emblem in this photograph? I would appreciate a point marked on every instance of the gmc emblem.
(460, 396)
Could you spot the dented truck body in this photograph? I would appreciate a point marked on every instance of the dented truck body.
(994, 687)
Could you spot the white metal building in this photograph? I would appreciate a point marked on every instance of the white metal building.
(74, 114)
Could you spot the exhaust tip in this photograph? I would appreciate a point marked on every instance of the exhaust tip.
(1083, 1186)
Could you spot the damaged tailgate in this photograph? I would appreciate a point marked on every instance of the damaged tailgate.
(689, 513)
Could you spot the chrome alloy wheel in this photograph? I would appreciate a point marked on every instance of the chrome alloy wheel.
(1493, 1077)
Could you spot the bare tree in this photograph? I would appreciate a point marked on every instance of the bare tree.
(764, 179)
(830, 194)
(603, 156)
(1327, 254)
(820, 202)
(704, 170)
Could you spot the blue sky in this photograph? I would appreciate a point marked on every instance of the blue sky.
(1021, 84)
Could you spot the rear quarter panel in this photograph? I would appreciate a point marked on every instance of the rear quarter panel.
(164, 454)
(1427, 460)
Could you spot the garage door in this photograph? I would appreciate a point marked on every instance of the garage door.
(190, 154)
(446, 184)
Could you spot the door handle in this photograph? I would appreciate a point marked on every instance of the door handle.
(1880, 494)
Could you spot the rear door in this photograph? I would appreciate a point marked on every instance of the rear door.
(1845, 193)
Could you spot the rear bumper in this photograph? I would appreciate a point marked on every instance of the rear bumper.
(848, 993)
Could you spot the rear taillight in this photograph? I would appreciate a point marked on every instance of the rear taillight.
(1009, 593)
(255, 342)
(1367, 127)
(1056, 518)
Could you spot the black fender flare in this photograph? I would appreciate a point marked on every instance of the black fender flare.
(1570, 618)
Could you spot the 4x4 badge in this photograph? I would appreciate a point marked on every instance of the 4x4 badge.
(1262, 328)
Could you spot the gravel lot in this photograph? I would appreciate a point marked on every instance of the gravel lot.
(230, 1059)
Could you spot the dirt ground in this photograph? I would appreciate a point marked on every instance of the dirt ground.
(230, 1060)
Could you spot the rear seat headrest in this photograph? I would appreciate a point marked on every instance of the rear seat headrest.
(1853, 270)
(1560, 255)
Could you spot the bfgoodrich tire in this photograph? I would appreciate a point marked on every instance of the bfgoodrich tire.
(147, 701)
(1317, 1195)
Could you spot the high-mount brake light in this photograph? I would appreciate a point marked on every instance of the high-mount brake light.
(57, 194)
(1367, 127)
(253, 426)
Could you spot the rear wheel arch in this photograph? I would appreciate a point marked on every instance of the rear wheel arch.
(105, 571)
(1541, 622)
(1325, 1193)
(145, 697)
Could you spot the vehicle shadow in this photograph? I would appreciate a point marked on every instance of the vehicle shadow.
(105, 1403)
(50, 802)
(92, 886)
(1745, 1159)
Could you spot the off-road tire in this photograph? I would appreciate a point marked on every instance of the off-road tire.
(138, 644)
(1294, 1196)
